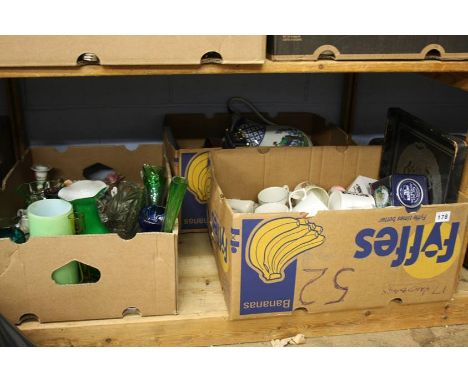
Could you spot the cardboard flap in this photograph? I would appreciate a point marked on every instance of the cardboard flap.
(71, 162)
(325, 166)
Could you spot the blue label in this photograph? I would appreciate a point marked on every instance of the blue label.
(193, 213)
(409, 193)
(258, 296)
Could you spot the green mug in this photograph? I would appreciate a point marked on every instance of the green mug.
(51, 217)
(55, 217)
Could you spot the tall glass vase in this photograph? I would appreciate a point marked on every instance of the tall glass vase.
(154, 179)
(175, 196)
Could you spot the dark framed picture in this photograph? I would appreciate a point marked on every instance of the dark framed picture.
(411, 146)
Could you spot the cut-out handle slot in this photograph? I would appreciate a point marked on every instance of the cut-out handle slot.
(28, 317)
(76, 272)
(433, 54)
(88, 59)
(131, 311)
(211, 58)
(327, 55)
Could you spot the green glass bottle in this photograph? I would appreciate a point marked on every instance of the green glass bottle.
(175, 197)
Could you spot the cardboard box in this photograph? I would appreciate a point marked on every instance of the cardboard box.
(337, 260)
(185, 136)
(300, 47)
(130, 50)
(138, 273)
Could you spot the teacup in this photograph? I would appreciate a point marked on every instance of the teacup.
(274, 195)
(304, 188)
(242, 206)
(268, 208)
(310, 201)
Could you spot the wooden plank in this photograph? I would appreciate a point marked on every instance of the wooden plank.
(323, 66)
(202, 318)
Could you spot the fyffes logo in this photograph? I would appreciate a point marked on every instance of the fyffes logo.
(219, 236)
(198, 176)
(274, 244)
(424, 251)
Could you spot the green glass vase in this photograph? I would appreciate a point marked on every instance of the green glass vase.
(154, 179)
(92, 224)
(175, 196)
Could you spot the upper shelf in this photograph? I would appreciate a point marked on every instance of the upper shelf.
(322, 66)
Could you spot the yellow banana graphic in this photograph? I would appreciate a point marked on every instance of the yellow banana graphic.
(276, 243)
(198, 176)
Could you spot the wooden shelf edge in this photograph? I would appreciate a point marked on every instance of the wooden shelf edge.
(267, 67)
(216, 329)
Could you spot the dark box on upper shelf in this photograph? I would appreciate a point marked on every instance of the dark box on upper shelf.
(305, 47)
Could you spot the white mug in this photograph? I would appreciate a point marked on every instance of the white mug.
(311, 202)
(268, 208)
(346, 201)
(274, 195)
(242, 206)
(307, 188)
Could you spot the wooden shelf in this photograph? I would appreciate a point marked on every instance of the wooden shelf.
(202, 318)
(322, 66)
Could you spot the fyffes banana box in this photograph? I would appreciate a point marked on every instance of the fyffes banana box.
(188, 139)
(335, 260)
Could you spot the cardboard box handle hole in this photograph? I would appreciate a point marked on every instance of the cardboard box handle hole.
(211, 58)
(28, 317)
(397, 301)
(433, 54)
(75, 272)
(131, 311)
(88, 59)
(300, 311)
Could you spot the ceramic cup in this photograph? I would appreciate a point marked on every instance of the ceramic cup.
(274, 195)
(310, 201)
(242, 206)
(304, 188)
(50, 217)
(346, 201)
(268, 208)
